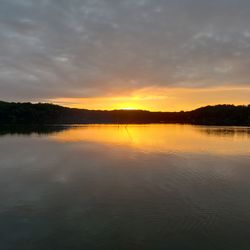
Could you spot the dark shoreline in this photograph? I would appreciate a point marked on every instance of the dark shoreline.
(49, 114)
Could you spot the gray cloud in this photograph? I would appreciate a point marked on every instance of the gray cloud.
(84, 48)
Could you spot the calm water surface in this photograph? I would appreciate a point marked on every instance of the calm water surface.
(125, 187)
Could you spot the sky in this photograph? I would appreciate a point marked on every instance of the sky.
(167, 55)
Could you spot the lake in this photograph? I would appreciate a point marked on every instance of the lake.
(125, 187)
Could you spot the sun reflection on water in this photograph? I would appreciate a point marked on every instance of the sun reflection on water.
(162, 138)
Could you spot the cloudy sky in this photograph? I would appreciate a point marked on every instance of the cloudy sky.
(150, 54)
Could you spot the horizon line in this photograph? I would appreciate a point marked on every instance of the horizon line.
(128, 109)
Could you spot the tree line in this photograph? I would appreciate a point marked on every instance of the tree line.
(43, 113)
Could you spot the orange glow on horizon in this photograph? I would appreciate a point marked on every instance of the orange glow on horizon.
(162, 99)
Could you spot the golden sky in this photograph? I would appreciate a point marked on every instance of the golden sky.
(130, 54)
(162, 99)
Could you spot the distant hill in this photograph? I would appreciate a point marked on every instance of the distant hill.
(27, 113)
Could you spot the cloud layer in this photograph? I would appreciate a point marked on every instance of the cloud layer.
(89, 48)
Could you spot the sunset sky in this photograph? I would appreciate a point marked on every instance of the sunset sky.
(125, 54)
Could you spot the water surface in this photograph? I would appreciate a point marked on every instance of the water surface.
(125, 187)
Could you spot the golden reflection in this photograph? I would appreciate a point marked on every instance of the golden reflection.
(160, 138)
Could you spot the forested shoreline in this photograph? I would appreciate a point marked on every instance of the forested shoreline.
(43, 113)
